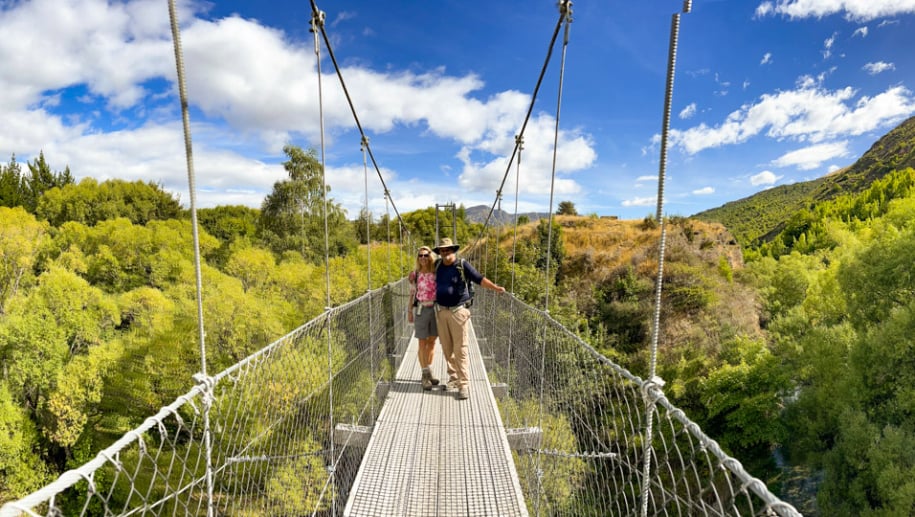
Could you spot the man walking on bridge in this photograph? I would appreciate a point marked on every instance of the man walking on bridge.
(452, 299)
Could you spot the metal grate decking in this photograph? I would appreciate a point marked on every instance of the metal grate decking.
(433, 455)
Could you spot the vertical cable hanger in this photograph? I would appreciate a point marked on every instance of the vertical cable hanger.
(189, 153)
(655, 382)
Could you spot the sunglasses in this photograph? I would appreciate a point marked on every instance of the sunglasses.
(421, 255)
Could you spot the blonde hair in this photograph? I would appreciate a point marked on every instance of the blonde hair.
(431, 262)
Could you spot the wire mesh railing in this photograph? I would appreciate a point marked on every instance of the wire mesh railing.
(272, 428)
(590, 414)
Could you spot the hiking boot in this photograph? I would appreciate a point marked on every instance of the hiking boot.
(433, 380)
(452, 384)
(463, 393)
(427, 380)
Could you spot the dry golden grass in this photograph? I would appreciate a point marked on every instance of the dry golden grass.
(599, 251)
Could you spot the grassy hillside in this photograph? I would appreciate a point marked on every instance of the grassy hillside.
(758, 218)
(710, 340)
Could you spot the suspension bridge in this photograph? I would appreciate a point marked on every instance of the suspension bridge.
(331, 420)
(552, 428)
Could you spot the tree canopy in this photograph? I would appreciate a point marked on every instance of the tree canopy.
(292, 215)
(566, 208)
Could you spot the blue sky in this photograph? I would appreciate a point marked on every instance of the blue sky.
(767, 92)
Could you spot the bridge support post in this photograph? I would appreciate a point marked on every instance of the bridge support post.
(352, 435)
(382, 388)
(499, 390)
(524, 439)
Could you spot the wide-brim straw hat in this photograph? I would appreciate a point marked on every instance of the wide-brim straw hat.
(445, 244)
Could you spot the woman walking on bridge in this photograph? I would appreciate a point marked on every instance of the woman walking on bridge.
(422, 313)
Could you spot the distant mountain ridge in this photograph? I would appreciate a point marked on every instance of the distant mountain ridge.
(760, 217)
(477, 214)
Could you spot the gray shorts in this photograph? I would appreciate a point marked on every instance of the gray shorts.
(424, 323)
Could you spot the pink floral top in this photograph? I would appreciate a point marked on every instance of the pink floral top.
(425, 287)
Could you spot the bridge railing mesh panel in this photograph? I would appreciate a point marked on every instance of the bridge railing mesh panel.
(592, 415)
(271, 421)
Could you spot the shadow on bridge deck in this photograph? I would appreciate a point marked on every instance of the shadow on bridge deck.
(433, 455)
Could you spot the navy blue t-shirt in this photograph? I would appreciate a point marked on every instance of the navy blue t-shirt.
(449, 288)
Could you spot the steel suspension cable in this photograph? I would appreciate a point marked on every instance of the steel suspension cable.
(317, 22)
(387, 213)
(368, 217)
(653, 380)
(527, 118)
(368, 258)
(404, 245)
(349, 100)
(198, 275)
(565, 8)
(519, 143)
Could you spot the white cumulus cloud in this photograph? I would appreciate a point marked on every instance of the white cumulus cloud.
(812, 157)
(704, 191)
(859, 10)
(641, 201)
(766, 59)
(764, 178)
(809, 113)
(878, 67)
(688, 111)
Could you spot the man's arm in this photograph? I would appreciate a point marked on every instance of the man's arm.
(484, 282)
(487, 283)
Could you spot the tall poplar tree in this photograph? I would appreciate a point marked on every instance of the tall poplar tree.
(292, 216)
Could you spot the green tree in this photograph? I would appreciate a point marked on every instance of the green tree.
(229, 224)
(881, 276)
(121, 256)
(41, 180)
(22, 470)
(292, 215)
(566, 208)
(253, 266)
(21, 239)
(90, 202)
(386, 230)
(363, 227)
(77, 394)
(743, 397)
(421, 225)
(12, 184)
